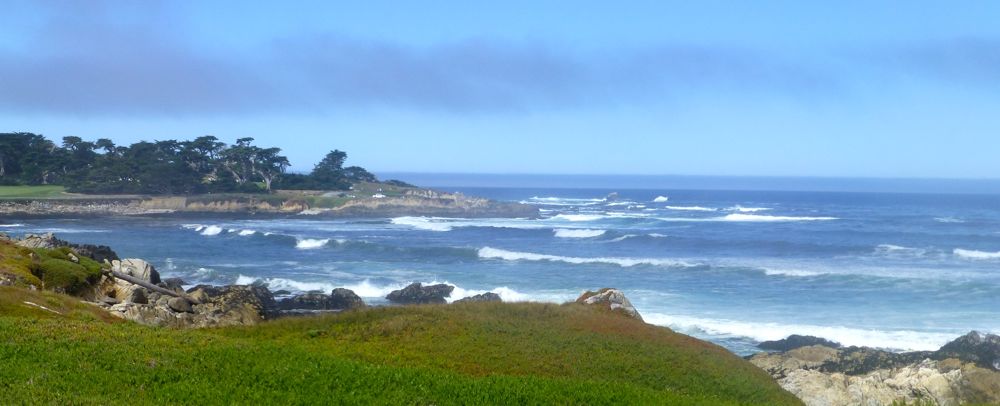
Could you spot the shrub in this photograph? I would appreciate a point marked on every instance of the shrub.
(65, 276)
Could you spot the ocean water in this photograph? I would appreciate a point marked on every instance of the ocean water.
(901, 271)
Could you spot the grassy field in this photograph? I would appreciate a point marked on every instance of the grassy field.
(476, 353)
(32, 192)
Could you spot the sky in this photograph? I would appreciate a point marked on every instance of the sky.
(894, 89)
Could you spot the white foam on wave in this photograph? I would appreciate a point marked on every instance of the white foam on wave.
(898, 250)
(623, 238)
(661, 199)
(496, 253)
(974, 254)
(286, 284)
(689, 208)
(311, 243)
(562, 201)
(210, 230)
(657, 235)
(11, 225)
(247, 232)
(742, 209)
(422, 223)
(902, 340)
(578, 217)
(577, 233)
(948, 220)
(747, 218)
(791, 272)
(763, 218)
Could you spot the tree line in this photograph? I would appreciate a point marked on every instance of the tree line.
(202, 165)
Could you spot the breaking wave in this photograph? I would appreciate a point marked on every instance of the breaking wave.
(495, 253)
(973, 254)
(211, 230)
(660, 199)
(903, 340)
(578, 217)
(742, 209)
(689, 208)
(311, 243)
(577, 233)
(422, 223)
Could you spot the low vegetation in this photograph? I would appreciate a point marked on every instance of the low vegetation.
(476, 353)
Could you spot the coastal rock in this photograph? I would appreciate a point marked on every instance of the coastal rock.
(47, 240)
(416, 293)
(233, 305)
(137, 268)
(482, 297)
(174, 284)
(980, 349)
(99, 253)
(960, 372)
(796, 341)
(180, 304)
(611, 298)
(338, 299)
(136, 296)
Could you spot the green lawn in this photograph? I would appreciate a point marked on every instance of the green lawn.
(32, 192)
(476, 353)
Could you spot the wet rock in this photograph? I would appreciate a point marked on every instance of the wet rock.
(612, 299)
(483, 297)
(341, 298)
(796, 341)
(416, 293)
(174, 284)
(338, 299)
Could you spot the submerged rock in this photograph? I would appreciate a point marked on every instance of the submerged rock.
(796, 341)
(416, 293)
(611, 298)
(482, 297)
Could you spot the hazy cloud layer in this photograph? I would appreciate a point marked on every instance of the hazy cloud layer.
(81, 62)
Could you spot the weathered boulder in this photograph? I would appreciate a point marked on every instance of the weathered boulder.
(416, 293)
(136, 268)
(136, 296)
(180, 304)
(482, 297)
(47, 240)
(796, 341)
(611, 298)
(338, 299)
(233, 305)
(99, 253)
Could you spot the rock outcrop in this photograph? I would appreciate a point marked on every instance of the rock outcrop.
(208, 306)
(796, 341)
(960, 372)
(338, 299)
(612, 299)
(99, 253)
(482, 297)
(416, 293)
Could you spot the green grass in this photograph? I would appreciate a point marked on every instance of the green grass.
(475, 353)
(32, 192)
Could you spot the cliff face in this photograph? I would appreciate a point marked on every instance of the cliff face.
(413, 203)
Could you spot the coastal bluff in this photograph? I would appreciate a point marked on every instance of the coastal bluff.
(409, 202)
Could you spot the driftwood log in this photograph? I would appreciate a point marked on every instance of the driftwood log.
(152, 287)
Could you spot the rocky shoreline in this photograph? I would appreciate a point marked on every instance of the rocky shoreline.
(816, 370)
(821, 372)
(416, 202)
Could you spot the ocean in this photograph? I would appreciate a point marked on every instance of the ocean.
(901, 271)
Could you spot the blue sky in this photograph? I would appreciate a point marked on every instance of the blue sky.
(859, 89)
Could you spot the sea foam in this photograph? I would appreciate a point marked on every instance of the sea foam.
(311, 243)
(660, 199)
(495, 253)
(689, 208)
(902, 340)
(973, 254)
(211, 230)
(577, 233)
(422, 223)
